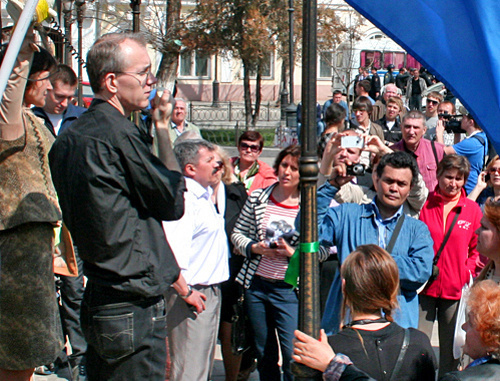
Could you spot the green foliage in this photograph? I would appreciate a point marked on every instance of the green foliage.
(227, 137)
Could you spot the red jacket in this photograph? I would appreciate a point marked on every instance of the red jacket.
(459, 255)
(262, 179)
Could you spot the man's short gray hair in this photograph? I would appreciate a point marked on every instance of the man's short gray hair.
(106, 56)
(188, 151)
(415, 114)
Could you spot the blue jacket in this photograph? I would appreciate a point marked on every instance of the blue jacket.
(349, 225)
(69, 116)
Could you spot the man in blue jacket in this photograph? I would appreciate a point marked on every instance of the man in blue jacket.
(58, 112)
(350, 225)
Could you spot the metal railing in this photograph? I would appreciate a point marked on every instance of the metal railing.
(229, 112)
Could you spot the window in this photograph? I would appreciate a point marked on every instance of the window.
(194, 64)
(267, 68)
(326, 65)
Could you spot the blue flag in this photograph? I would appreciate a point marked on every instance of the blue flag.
(457, 40)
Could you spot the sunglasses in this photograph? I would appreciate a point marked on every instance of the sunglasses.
(432, 101)
(253, 147)
(494, 170)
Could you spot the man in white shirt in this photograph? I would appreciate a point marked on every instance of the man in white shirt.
(200, 246)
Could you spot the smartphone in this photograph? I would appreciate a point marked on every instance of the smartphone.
(487, 177)
(352, 142)
(273, 245)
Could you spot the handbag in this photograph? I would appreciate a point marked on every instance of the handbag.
(459, 339)
(240, 336)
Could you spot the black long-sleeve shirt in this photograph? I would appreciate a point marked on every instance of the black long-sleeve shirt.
(114, 194)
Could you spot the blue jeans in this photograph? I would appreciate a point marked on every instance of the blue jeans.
(126, 335)
(270, 306)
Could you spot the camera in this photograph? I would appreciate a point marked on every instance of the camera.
(452, 123)
(355, 169)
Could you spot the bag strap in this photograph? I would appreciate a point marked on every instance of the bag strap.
(394, 237)
(483, 143)
(441, 248)
(433, 145)
(402, 352)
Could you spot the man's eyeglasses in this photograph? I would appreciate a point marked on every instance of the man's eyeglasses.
(432, 101)
(494, 170)
(143, 75)
(252, 147)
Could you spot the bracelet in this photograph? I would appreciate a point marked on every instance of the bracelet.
(190, 292)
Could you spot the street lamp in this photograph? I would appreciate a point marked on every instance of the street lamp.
(136, 12)
(67, 7)
(309, 312)
(80, 9)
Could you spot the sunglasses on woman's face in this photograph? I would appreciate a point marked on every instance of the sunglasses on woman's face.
(252, 147)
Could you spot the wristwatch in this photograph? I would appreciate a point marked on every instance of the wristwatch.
(190, 292)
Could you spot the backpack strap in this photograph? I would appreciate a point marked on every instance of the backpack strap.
(433, 144)
(402, 352)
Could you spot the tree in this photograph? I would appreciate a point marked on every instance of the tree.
(247, 28)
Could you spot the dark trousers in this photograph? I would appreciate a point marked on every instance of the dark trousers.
(72, 290)
(415, 102)
(126, 335)
(272, 306)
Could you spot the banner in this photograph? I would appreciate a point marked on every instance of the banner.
(456, 40)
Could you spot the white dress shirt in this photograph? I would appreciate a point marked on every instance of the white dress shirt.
(198, 239)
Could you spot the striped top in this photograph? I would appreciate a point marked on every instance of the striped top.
(278, 221)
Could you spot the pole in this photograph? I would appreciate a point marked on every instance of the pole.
(215, 83)
(80, 8)
(309, 312)
(16, 42)
(67, 8)
(136, 12)
(136, 27)
(291, 51)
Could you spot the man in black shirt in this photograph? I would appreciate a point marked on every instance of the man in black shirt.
(114, 194)
(415, 87)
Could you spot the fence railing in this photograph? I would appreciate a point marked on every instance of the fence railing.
(230, 112)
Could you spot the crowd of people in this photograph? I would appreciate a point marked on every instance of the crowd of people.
(172, 234)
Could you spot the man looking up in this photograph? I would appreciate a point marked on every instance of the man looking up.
(428, 154)
(58, 112)
(114, 195)
(350, 225)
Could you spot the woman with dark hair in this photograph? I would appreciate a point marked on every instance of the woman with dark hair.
(30, 331)
(488, 183)
(265, 235)
(372, 341)
(362, 108)
(452, 220)
(252, 172)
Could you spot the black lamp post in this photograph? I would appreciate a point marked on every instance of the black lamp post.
(67, 7)
(309, 311)
(136, 12)
(80, 9)
(215, 83)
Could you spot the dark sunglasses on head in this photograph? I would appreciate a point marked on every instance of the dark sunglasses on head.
(432, 101)
(253, 147)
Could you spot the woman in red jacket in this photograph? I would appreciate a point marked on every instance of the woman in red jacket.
(452, 220)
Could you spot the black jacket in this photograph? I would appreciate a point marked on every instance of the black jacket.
(489, 371)
(377, 354)
(114, 194)
(71, 114)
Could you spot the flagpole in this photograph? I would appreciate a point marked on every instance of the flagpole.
(15, 43)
